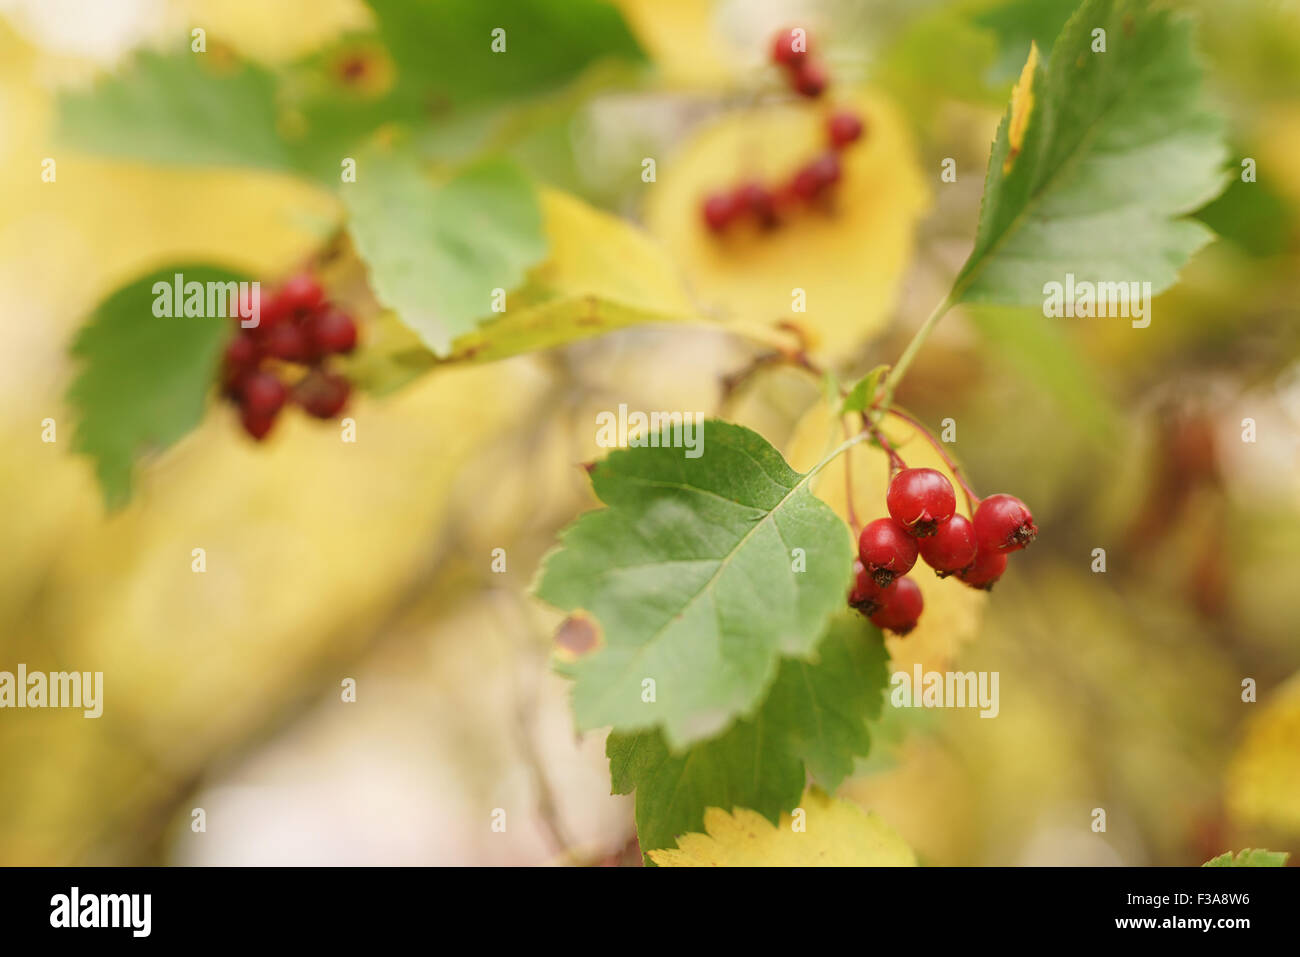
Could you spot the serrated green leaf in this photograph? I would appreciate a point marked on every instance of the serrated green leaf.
(143, 381)
(1098, 160)
(436, 253)
(180, 108)
(1251, 857)
(691, 573)
(444, 51)
(815, 716)
(863, 391)
(824, 705)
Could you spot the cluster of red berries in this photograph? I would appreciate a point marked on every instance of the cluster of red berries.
(298, 330)
(766, 205)
(923, 521)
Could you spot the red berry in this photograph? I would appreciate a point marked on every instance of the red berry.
(865, 594)
(951, 548)
(899, 607)
(886, 550)
(239, 360)
(985, 570)
(810, 78)
(322, 394)
(843, 128)
(263, 394)
(287, 341)
(256, 424)
(332, 331)
(921, 500)
(301, 293)
(1003, 524)
(718, 210)
(790, 47)
(758, 201)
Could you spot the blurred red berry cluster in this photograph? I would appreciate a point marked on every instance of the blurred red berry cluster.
(284, 358)
(769, 205)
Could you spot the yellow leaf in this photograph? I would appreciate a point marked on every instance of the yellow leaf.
(1263, 785)
(831, 834)
(847, 260)
(679, 35)
(952, 610)
(1022, 105)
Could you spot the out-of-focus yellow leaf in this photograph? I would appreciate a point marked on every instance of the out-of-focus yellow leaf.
(279, 31)
(681, 38)
(1263, 786)
(847, 261)
(832, 834)
(952, 610)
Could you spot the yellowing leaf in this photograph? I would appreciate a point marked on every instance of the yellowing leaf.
(680, 37)
(601, 274)
(1022, 105)
(1263, 787)
(830, 833)
(846, 260)
(952, 610)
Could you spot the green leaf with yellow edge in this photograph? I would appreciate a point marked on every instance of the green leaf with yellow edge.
(1099, 160)
(143, 381)
(601, 274)
(701, 572)
(1250, 857)
(813, 721)
(828, 833)
(1264, 774)
(436, 253)
(848, 260)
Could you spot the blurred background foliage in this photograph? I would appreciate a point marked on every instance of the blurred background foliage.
(1119, 690)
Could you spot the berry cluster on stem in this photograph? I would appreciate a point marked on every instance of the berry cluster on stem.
(766, 205)
(285, 357)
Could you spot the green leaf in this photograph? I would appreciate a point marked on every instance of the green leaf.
(863, 391)
(824, 705)
(691, 573)
(436, 253)
(1251, 857)
(1017, 24)
(444, 50)
(178, 108)
(143, 381)
(816, 714)
(1097, 161)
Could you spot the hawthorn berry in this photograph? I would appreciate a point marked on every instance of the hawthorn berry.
(921, 500)
(262, 394)
(322, 394)
(951, 548)
(718, 210)
(865, 593)
(886, 550)
(985, 570)
(1003, 524)
(842, 128)
(790, 47)
(300, 294)
(256, 424)
(331, 331)
(810, 78)
(287, 341)
(899, 607)
(758, 201)
(816, 176)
